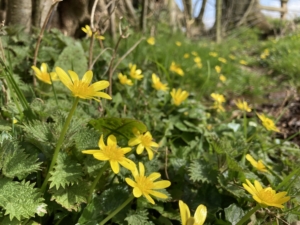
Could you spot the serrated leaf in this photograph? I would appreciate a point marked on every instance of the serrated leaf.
(14, 162)
(118, 126)
(73, 58)
(66, 172)
(72, 196)
(6, 221)
(233, 214)
(19, 199)
(200, 170)
(137, 217)
(232, 188)
(232, 164)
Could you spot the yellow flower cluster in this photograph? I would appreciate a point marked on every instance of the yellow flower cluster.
(218, 101)
(176, 69)
(265, 54)
(243, 105)
(87, 29)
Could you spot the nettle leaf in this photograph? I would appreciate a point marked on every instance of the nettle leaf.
(232, 188)
(137, 217)
(233, 164)
(233, 214)
(67, 171)
(19, 199)
(73, 58)
(14, 162)
(87, 139)
(201, 170)
(118, 126)
(71, 196)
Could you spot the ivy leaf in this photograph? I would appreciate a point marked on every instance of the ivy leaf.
(137, 217)
(67, 171)
(72, 196)
(14, 162)
(118, 126)
(19, 199)
(233, 214)
(202, 171)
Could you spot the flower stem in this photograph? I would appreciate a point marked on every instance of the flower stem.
(245, 125)
(96, 181)
(117, 210)
(247, 216)
(59, 144)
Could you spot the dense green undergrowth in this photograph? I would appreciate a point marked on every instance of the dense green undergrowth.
(204, 138)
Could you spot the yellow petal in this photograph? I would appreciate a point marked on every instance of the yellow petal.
(63, 76)
(111, 140)
(257, 185)
(90, 151)
(134, 141)
(100, 156)
(141, 169)
(184, 212)
(140, 149)
(154, 176)
(36, 70)
(148, 197)
(161, 184)
(137, 192)
(44, 68)
(87, 77)
(130, 182)
(150, 153)
(102, 95)
(158, 194)
(114, 166)
(73, 76)
(200, 214)
(126, 150)
(100, 85)
(101, 143)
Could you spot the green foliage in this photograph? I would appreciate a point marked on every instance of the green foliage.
(233, 214)
(137, 217)
(20, 199)
(15, 162)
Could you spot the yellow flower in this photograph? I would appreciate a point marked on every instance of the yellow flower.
(157, 84)
(232, 57)
(265, 54)
(124, 80)
(213, 54)
(197, 59)
(199, 216)
(178, 96)
(144, 141)
(256, 164)
(222, 78)
(43, 75)
(143, 185)
(178, 43)
(82, 88)
(218, 69)
(15, 120)
(87, 29)
(194, 53)
(176, 69)
(266, 196)
(134, 73)
(186, 55)
(222, 60)
(199, 65)
(219, 99)
(267, 123)
(112, 153)
(151, 41)
(243, 105)
(243, 62)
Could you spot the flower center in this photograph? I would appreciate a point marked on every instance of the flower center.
(113, 152)
(144, 183)
(146, 140)
(80, 88)
(267, 194)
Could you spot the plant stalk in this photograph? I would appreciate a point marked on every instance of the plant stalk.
(247, 216)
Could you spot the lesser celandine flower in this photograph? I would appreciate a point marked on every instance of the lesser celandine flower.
(82, 88)
(243, 62)
(219, 99)
(187, 219)
(157, 84)
(87, 29)
(146, 186)
(213, 54)
(178, 96)
(143, 141)
(256, 164)
(186, 55)
(151, 41)
(194, 53)
(223, 60)
(135, 73)
(232, 57)
(266, 196)
(178, 43)
(112, 153)
(176, 69)
(43, 75)
(222, 78)
(197, 59)
(124, 80)
(243, 105)
(218, 69)
(267, 123)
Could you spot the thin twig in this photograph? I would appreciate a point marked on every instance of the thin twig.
(41, 35)
(93, 14)
(98, 56)
(91, 50)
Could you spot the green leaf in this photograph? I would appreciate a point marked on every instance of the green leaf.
(137, 217)
(202, 171)
(19, 199)
(72, 196)
(14, 162)
(231, 187)
(67, 171)
(233, 213)
(6, 221)
(118, 126)
(73, 58)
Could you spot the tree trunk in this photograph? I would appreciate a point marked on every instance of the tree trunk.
(243, 12)
(199, 18)
(219, 21)
(143, 20)
(172, 13)
(19, 13)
